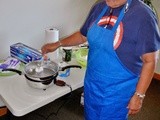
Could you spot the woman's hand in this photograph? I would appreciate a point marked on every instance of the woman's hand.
(134, 105)
(49, 47)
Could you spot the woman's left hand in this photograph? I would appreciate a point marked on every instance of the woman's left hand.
(134, 105)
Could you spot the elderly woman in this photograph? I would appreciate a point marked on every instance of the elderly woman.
(123, 38)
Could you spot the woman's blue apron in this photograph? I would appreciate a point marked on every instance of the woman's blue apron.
(108, 84)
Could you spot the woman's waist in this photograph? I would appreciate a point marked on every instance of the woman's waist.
(109, 73)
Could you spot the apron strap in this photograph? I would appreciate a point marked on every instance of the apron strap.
(101, 14)
(122, 13)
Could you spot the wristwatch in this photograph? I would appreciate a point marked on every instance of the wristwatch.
(141, 96)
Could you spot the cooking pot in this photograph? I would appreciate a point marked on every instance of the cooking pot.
(41, 74)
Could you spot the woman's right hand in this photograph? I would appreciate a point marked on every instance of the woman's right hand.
(134, 105)
(49, 47)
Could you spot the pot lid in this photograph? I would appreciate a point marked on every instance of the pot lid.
(41, 69)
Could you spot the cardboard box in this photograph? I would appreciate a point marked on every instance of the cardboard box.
(24, 53)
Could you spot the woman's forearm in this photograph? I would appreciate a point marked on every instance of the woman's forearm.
(149, 62)
(72, 40)
(75, 39)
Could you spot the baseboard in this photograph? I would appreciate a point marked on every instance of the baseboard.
(156, 76)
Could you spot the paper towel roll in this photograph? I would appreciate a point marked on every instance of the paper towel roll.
(52, 35)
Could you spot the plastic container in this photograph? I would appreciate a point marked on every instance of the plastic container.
(81, 56)
(64, 73)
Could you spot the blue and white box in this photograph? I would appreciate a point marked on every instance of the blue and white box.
(24, 53)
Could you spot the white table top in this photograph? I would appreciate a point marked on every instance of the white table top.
(21, 99)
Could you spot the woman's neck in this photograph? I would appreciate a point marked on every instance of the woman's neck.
(115, 3)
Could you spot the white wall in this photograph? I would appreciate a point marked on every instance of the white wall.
(25, 20)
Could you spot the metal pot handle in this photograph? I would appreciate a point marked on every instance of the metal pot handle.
(70, 66)
(13, 70)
